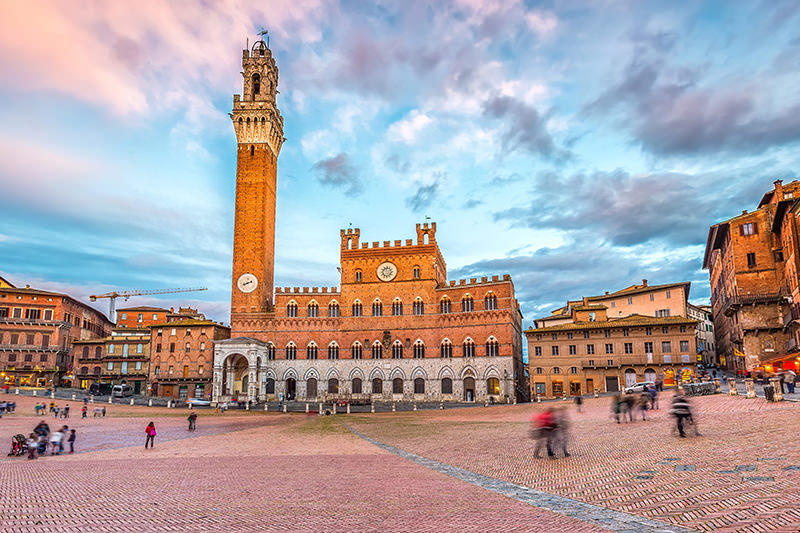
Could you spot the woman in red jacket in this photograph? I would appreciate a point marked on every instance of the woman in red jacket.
(150, 431)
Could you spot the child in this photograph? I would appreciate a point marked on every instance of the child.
(33, 445)
(71, 441)
(55, 442)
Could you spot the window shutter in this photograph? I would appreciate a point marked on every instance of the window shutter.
(755, 228)
(741, 229)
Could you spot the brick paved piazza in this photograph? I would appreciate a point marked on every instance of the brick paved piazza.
(255, 471)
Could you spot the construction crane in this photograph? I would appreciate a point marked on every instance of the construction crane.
(113, 295)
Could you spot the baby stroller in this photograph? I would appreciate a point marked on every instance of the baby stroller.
(19, 446)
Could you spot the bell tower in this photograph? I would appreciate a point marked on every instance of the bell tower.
(259, 133)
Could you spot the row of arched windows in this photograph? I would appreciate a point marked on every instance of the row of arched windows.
(418, 308)
(492, 349)
(357, 386)
(557, 370)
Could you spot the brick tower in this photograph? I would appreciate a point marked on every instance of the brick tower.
(259, 133)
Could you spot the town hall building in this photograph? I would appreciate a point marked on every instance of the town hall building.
(395, 329)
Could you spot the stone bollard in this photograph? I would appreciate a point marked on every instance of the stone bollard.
(285, 408)
(486, 404)
(348, 408)
(266, 407)
(564, 398)
(132, 401)
(110, 398)
(334, 407)
(732, 387)
(441, 406)
(16, 390)
(596, 393)
(751, 388)
(34, 393)
(150, 402)
(538, 399)
(393, 409)
(415, 407)
(247, 406)
(372, 408)
(717, 386)
(776, 386)
(320, 409)
(73, 397)
(91, 399)
(53, 395)
(306, 408)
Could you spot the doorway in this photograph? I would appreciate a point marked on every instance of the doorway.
(291, 388)
(469, 389)
(311, 388)
(630, 377)
(558, 388)
(166, 390)
(612, 384)
(590, 386)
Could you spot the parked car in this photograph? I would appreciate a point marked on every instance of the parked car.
(121, 391)
(639, 387)
(100, 389)
(198, 402)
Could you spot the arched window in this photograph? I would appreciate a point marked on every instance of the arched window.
(493, 386)
(96, 371)
(539, 370)
(333, 386)
(291, 309)
(419, 306)
(311, 350)
(445, 306)
(397, 386)
(573, 370)
(447, 386)
(256, 84)
(84, 370)
(469, 348)
(355, 350)
(377, 308)
(269, 386)
(467, 304)
(377, 350)
(98, 352)
(492, 347)
(356, 385)
(333, 309)
(416, 272)
(313, 309)
(86, 351)
(397, 350)
(490, 302)
(311, 388)
(358, 275)
(377, 386)
(356, 308)
(333, 351)
(419, 349)
(446, 349)
(397, 307)
(291, 351)
(419, 386)
(271, 351)
(556, 370)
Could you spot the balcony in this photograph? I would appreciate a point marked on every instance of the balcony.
(792, 315)
(733, 303)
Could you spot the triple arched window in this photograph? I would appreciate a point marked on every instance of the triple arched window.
(357, 308)
(333, 351)
(291, 351)
(467, 304)
(355, 350)
(271, 351)
(446, 349)
(313, 309)
(311, 350)
(291, 309)
(377, 308)
(419, 349)
(468, 348)
(333, 309)
(397, 350)
(445, 306)
(397, 307)
(490, 301)
(377, 350)
(419, 306)
(492, 347)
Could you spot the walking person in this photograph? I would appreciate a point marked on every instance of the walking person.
(33, 445)
(630, 405)
(150, 431)
(643, 404)
(653, 393)
(192, 418)
(71, 441)
(55, 442)
(543, 425)
(579, 403)
(64, 433)
(55, 411)
(616, 406)
(680, 410)
(66, 411)
(561, 431)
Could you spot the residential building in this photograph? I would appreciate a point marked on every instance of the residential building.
(141, 316)
(396, 329)
(183, 355)
(123, 358)
(752, 283)
(704, 334)
(593, 352)
(37, 329)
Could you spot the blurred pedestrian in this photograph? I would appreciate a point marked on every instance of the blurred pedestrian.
(579, 403)
(150, 431)
(616, 406)
(192, 418)
(643, 403)
(55, 411)
(33, 445)
(542, 426)
(680, 410)
(55, 442)
(66, 411)
(71, 441)
(653, 394)
(561, 431)
(83, 411)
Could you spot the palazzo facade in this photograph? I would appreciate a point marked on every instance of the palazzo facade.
(396, 329)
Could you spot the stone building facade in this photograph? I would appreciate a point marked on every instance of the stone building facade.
(396, 329)
(37, 330)
(753, 285)
(594, 352)
(121, 358)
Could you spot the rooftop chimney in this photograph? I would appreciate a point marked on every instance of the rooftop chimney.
(27, 286)
(585, 300)
(744, 212)
(644, 283)
(778, 190)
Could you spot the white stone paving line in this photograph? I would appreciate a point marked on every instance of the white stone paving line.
(585, 512)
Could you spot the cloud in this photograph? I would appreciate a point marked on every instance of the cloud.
(407, 129)
(669, 111)
(339, 172)
(624, 209)
(424, 196)
(543, 23)
(525, 129)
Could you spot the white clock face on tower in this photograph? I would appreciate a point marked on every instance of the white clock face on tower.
(386, 271)
(247, 282)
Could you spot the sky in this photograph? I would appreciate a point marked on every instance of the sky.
(579, 146)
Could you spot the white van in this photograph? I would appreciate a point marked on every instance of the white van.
(121, 391)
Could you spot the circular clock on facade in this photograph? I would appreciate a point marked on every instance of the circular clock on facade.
(386, 271)
(247, 282)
